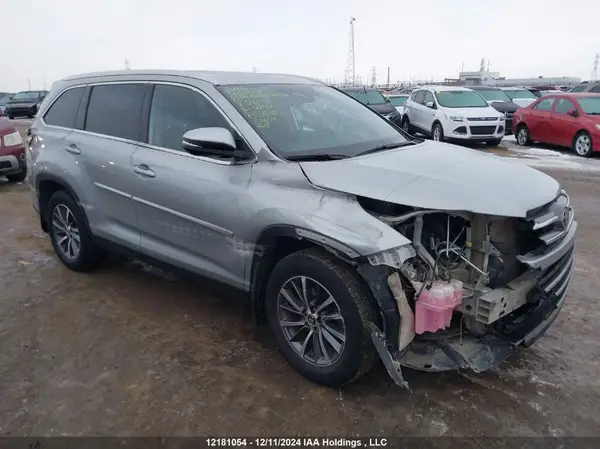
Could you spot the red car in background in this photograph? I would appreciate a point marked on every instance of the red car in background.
(13, 164)
(569, 120)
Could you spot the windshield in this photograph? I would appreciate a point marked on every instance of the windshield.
(26, 96)
(310, 119)
(370, 97)
(493, 95)
(520, 93)
(460, 99)
(590, 105)
(578, 88)
(4, 100)
(399, 100)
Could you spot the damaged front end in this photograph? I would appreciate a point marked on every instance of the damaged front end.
(471, 288)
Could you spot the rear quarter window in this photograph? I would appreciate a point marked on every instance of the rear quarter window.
(64, 110)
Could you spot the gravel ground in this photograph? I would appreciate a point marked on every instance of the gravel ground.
(130, 350)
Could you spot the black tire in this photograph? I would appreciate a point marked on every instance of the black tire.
(18, 177)
(89, 254)
(581, 151)
(522, 135)
(495, 142)
(11, 117)
(440, 129)
(358, 354)
(406, 125)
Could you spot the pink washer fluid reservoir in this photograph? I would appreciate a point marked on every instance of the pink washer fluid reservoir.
(433, 307)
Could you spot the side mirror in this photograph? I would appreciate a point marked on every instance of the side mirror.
(573, 113)
(430, 104)
(211, 141)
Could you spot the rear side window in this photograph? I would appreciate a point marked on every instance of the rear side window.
(176, 110)
(595, 89)
(64, 110)
(115, 110)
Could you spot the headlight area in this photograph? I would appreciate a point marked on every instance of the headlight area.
(13, 139)
(463, 295)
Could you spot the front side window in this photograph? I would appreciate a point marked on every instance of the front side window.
(420, 97)
(520, 93)
(460, 99)
(115, 110)
(595, 89)
(493, 94)
(428, 98)
(544, 105)
(563, 106)
(590, 105)
(64, 110)
(176, 110)
(308, 119)
(399, 100)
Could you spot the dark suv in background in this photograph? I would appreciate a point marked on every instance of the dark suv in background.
(25, 104)
(501, 102)
(374, 99)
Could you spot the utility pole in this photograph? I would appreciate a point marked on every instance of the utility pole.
(350, 75)
(595, 69)
(29, 83)
(127, 64)
(388, 77)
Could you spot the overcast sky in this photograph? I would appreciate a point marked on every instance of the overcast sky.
(50, 39)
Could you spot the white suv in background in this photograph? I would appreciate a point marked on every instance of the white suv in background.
(453, 113)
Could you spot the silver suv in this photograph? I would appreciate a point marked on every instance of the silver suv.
(341, 227)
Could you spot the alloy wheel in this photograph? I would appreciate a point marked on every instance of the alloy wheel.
(437, 133)
(522, 136)
(583, 145)
(66, 232)
(311, 321)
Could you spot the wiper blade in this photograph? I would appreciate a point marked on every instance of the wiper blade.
(389, 146)
(317, 157)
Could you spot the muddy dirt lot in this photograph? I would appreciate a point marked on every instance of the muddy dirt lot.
(130, 351)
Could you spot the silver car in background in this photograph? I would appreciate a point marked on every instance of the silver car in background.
(333, 220)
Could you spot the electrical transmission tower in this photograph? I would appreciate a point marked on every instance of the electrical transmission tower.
(350, 75)
(127, 64)
(373, 76)
(482, 65)
(595, 70)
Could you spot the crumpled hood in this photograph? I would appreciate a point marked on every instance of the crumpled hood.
(437, 175)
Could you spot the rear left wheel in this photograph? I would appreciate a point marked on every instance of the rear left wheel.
(437, 132)
(69, 233)
(318, 311)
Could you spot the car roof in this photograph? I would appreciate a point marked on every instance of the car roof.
(573, 94)
(398, 95)
(357, 88)
(484, 88)
(213, 77)
(446, 88)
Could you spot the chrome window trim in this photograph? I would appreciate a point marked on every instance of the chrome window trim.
(148, 145)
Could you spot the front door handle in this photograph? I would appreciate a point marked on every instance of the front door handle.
(73, 149)
(144, 170)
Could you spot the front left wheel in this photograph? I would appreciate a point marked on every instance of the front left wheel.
(437, 132)
(69, 233)
(18, 177)
(582, 144)
(318, 310)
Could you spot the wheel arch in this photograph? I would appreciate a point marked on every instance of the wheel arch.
(47, 185)
(278, 241)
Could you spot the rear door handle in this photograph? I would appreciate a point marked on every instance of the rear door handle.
(144, 170)
(73, 149)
